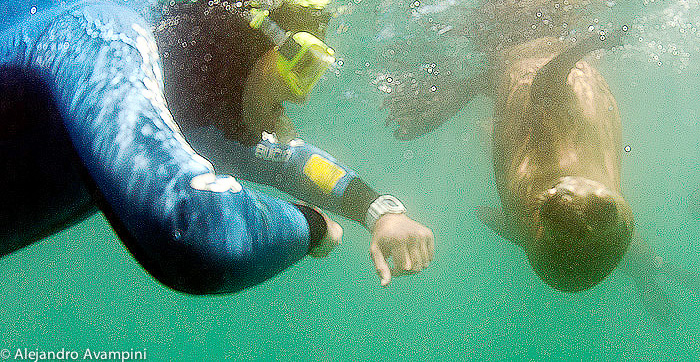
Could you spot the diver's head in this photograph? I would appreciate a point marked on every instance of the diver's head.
(210, 54)
(583, 232)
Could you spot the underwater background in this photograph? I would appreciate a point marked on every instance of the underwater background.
(479, 299)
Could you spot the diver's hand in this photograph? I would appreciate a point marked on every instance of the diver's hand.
(409, 244)
(333, 238)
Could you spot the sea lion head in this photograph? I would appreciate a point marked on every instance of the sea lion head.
(583, 232)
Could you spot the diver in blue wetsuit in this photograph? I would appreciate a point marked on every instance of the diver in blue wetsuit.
(84, 121)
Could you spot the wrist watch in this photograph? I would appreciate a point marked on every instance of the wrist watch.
(385, 204)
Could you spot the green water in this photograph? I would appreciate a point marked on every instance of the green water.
(479, 299)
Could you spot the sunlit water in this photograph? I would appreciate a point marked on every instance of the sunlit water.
(479, 299)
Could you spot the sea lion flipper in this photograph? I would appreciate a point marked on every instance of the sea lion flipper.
(644, 267)
(550, 81)
(497, 221)
(422, 107)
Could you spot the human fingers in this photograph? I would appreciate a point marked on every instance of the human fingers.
(380, 265)
(332, 238)
(430, 243)
(402, 261)
(334, 231)
(416, 258)
(425, 254)
(401, 258)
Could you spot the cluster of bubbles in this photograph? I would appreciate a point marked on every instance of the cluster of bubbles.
(383, 82)
(666, 34)
(420, 42)
(387, 81)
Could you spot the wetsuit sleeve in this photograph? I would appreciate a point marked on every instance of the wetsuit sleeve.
(194, 231)
(297, 168)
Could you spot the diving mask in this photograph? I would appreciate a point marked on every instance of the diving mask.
(302, 58)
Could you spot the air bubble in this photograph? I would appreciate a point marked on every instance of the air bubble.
(433, 88)
(625, 28)
(340, 62)
(389, 79)
(32, 10)
(628, 148)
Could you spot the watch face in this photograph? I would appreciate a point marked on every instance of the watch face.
(391, 204)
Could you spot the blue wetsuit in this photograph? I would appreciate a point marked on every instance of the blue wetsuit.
(82, 109)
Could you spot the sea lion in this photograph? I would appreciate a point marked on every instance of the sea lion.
(556, 157)
(556, 144)
(556, 147)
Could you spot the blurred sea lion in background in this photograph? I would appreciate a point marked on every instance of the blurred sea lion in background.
(420, 102)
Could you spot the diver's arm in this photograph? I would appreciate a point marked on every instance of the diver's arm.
(297, 168)
(310, 174)
(194, 231)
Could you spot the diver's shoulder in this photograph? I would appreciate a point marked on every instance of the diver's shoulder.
(23, 15)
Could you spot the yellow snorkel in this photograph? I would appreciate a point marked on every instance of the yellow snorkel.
(302, 58)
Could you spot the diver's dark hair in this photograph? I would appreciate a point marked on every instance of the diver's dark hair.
(295, 18)
(208, 50)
